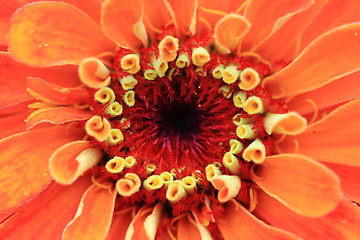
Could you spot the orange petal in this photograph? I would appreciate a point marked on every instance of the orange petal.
(187, 230)
(57, 115)
(327, 58)
(338, 91)
(69, 35)
(67, 164)
(52, 93)
(6, 11)
(122, 22)
(349, 178)
(183, 13)
(266, 19)
(156, 15)
(229, 30)
(302, 184)
(46, 216)
(91, 7)
(94, 215)
(281, 43)
(334, 14)
(335, 138)
(342, 223)
(121, 221)
(239, 224)
(24, 158)
(209, 12)
(144, 225)
(12, 124)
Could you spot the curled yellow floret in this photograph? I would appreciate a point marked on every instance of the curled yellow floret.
(115, 137)
(239, 99)
(128, 185)
(93, 73)
(175, 191)
(130, 63)
(182, 60)
(114, 109)
(153, 182)
(246, 131)
(231, 162)
(228, 186)
(235, 146)
(189, 184)
(253, 105)
(128, 82)
(167, 178)
(200, 56)
(130, 161)
(129, 98)
(226, 91)
(115, 165)
(98, 127)
(168, 48)
(249, 79)
(290, 123)
(218, 71)
(230, 74)
(105, 95)
(255, 152)
(212, 171)
(160, 66)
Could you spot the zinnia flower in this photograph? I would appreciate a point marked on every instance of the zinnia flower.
(180, 119)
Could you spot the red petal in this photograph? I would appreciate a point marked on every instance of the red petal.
(68, 36)
(335, 138)
(266, 18)
(24, 163)
(55, 94)
(327, 58)
(122, 22)
(349, 179)
(302, 184)
(47, 215)
(342, 223)
(239, 224)
(57, 115)
(93, 217)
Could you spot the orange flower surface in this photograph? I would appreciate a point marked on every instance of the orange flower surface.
(180, 119)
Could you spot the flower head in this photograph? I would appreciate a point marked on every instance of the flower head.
(179, 120)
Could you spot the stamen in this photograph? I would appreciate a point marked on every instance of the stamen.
(253, 105)
(200, 56)
(217, 12)
(115, 165)
(231, 163)
(105, 95)
(206, 22)
(228, 186)
(246, 131)
(154, 182)
(230, 74)
(239, 99)
(98, 127)
(130, 63)
(253, 199)
(249, 79)
(182, 60)
(212, 171)
(316, 110)
(235, 146)
(114, 109)
(242, 6)
(115, 137)
(130, 161)
(168, 48)
(189, 184)
(128, 82)
(218, 71)
(255, 152)
(175, 191)
(129, 185)
(93, 73)
(129, 98)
